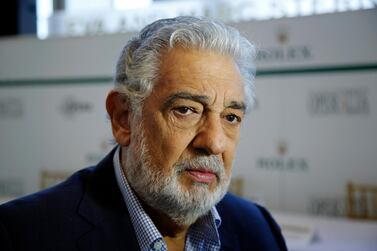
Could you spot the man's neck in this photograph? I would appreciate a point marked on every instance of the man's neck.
(174, 235)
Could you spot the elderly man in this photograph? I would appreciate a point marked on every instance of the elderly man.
(182, 88)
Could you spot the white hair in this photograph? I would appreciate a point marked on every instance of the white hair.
(138, 65)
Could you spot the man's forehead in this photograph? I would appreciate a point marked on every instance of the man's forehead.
(189, 59)
(200, 75)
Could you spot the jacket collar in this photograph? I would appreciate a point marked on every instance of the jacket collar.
(102, 206)
(228, 239)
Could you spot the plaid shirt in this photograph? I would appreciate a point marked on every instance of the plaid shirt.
(202, 235)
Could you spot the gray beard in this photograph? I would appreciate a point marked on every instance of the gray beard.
(164, 192)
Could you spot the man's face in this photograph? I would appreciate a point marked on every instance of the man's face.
(182, 150)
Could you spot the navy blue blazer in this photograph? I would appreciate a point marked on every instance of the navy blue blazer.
(87, 212)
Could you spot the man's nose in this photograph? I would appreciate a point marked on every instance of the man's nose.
(211, 137)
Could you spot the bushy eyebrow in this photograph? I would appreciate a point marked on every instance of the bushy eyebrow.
(204, 100)
(237, 105)
(186, 95)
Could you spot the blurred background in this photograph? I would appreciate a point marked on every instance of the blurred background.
(308, 149)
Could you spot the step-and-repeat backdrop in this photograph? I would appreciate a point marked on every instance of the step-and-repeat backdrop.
(313, 128)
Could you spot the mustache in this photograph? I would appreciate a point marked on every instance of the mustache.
(211, 164)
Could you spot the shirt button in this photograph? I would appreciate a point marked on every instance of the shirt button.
(157, 245)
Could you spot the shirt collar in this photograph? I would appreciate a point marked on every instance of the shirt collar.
(147, 233)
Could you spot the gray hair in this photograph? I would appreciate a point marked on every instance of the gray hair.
(138, 65)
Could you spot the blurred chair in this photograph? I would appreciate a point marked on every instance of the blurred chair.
(49, 178)
(361, 201)
(237, 186)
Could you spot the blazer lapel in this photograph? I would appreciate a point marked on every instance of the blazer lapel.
(103, 207)
(228, 239)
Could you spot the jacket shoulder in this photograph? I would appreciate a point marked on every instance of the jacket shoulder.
(247, 224)
(65, 193)
(50, 212)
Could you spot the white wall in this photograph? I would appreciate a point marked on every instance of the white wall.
(52, 112)
(326, 145)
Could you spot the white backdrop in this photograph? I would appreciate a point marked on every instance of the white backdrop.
(314, 127)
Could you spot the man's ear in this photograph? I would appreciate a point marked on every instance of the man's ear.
(119, 111)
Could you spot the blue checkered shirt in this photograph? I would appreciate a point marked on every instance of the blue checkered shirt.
(202, 235)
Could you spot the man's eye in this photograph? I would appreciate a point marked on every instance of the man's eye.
(184, 110)
(233, 118)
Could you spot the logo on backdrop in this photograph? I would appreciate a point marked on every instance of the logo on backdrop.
(282, 163)
(11, 107)
(347, 101)
(70, 107)
(290, 164)
(283, 52)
